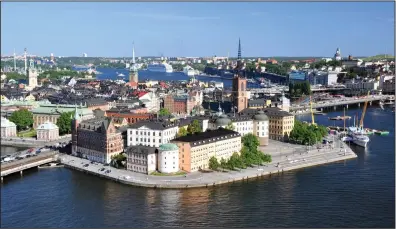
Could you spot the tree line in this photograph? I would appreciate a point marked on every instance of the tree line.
(249, 156)
(307, 134)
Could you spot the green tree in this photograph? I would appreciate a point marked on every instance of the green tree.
(164, 112)
(230, 126)
(223, 164)
(194, 127)
(182, 132)
(22, 118)
(64, 122)
(250, 141)
(213, 163)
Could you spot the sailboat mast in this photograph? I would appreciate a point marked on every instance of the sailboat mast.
(344, 119)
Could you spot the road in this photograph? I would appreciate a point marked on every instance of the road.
(294, 157)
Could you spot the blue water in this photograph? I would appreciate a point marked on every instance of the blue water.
(111, 73)
(354, 193)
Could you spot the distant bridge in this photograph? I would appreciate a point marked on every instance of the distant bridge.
(340, 102)
(27, 163)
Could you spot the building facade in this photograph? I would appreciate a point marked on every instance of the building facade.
(151, 133)
(141, 159)
(196, 150)
(168, 158)
(8, 128)
(96, 139)
(129, 116)
(51, 113)
(47, 132)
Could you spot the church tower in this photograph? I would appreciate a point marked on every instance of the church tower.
(32, 75)
(239, 83)
(74, 129)
(133, 70)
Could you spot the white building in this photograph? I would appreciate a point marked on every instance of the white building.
(151, 133)
(361, 87)
(8, 128)
(151, 101)
(384, 78)
(47, 131)
(168, 158)
(257, 125)
(141, 159)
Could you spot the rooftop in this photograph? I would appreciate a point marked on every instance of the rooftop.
(208, 136)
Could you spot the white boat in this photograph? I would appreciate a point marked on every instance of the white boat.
(120, 75)
(358, 136)
(157, 67)
(189, 71)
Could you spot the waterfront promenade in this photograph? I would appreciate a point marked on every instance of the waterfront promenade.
(285, 157)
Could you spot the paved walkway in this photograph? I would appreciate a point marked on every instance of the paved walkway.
(290, 160)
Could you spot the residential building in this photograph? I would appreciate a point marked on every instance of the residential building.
(47, 131)
(141, 159)
(51, 112)
(8, 128)
(388, 86)
(151, 101)
(131, 115)
(95, 139)
(280, 123)
(203, 122)
(361, 87)
(196, 150)
(178, 104)
(151, 133)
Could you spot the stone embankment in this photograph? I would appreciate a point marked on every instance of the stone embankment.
(282, 163)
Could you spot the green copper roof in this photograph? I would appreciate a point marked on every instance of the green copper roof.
(52, 109)
(168, 147)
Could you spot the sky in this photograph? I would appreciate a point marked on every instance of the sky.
(198, 29)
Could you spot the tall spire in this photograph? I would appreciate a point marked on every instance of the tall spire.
(133, 53)
(25, 59)
(239, 50)
(76, 116)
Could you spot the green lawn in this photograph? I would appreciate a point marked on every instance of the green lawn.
(180, 173)
(28, 134)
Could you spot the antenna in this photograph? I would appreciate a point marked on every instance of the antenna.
(14, 60)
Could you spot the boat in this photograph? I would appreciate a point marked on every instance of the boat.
(160, 67)
(360, 139)
(340, 118)
(189, 71)
(381, 132)
(120, 75)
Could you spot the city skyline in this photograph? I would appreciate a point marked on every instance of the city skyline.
(198, 29)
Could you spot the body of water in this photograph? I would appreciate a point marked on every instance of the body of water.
(111, 73)
(355, 193)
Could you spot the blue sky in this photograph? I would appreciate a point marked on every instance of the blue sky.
(198, 29)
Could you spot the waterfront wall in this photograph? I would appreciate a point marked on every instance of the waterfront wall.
(244, 175)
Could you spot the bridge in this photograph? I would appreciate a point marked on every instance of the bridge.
(341, 102)
(27, 163)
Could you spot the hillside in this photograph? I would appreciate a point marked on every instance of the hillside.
(379, 57)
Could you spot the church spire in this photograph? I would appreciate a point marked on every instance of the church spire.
(133, 53)
(239, 50)
(76, 116)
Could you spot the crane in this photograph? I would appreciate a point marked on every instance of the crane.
(364, 111)
(312, 114)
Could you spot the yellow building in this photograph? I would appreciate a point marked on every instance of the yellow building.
(196, 150)
(281, 122)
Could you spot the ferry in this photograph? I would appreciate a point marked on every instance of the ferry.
(157, 67)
